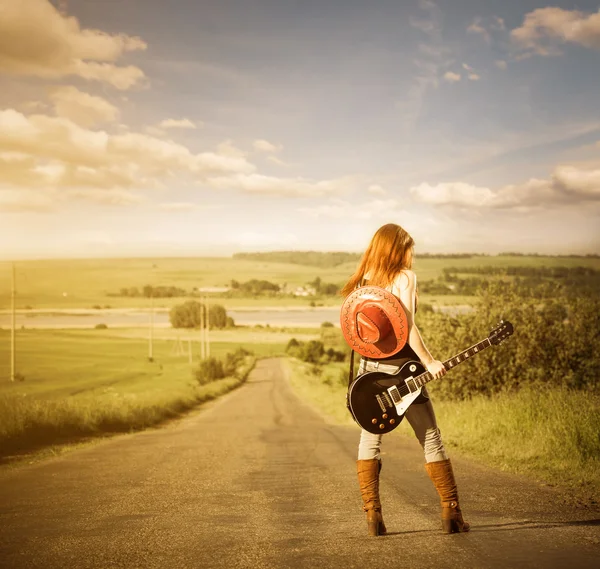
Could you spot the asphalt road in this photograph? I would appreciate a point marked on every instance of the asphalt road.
(259, 480)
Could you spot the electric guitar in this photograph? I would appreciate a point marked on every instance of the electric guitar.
(378, 401)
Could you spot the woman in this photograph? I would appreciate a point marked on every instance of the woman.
(387, 263)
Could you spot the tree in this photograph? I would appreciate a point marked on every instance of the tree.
(217, 316)
(186, 315)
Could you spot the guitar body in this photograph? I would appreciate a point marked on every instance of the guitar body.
(378, 401)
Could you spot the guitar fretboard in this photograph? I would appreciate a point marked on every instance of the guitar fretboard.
(419, 381)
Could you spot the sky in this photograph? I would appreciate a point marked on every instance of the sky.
(194, 127)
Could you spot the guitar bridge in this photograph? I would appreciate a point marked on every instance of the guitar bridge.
(380, 401)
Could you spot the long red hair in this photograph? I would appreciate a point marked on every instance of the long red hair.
(390, 251)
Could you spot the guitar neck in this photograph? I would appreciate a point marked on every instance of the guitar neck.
(426, 377)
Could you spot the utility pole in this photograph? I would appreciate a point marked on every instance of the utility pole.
(12, 328)
(207, 339)
(202, 319)
(151, 330)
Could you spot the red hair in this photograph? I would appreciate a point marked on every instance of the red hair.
(389, 251)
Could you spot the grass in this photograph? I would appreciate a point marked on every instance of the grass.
(552, 436)
(82, 283)
(82, 383)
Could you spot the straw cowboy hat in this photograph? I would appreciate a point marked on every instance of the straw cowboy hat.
(373, 322)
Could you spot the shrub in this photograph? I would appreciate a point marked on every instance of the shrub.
(189, 315)
(209, 370)
(101, 326)
(233, 361)
(312, 351)
(326, 325)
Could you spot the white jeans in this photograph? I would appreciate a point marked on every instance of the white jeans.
(422, 420)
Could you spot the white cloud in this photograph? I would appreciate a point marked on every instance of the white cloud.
(103, 197)
(477, 28)
(265, 146)
(260, 184)
(451, 77)
(500, 64)
(277, 160)
(544, 28)
(376, 190)
(177, 123)
(36, 40)
(453, 193)
(472, 74)
(82, 108)
(39, 151)
(566, 185)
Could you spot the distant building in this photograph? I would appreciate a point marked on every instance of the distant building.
(305, 291)
(217, 289)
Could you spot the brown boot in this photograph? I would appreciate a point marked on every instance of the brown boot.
(442, 477)
(368, 480)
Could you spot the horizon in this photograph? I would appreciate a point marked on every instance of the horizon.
(222, 128)
(424, 254)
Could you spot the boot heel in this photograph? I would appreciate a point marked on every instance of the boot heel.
(373, 528)
(449, 526)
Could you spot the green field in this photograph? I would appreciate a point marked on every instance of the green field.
(81, 383)
(85, 283)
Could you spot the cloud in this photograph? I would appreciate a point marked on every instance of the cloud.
(23, 200)
(376, 190)
(82, 108)
(451, 77)
(453, 193)
(36, 40)
(567, 185)
(477, 28)
(432, 56)
(472, 74)
(277, 161)
(178, 206)
(38, 151)
(546, 28)
(265, 146)
(296, 187)
(500, 64)
(177, 123)
(341, 209)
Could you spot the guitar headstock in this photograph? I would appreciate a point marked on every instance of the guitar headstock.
(500, 333)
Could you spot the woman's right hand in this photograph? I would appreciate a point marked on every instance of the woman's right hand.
(436, 369)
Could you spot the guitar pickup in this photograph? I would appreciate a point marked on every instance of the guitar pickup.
(381, 403)
(396, 397)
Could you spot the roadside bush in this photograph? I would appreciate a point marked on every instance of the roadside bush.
(556, 342)
(233, 360)
(209, 370)
(312, 351)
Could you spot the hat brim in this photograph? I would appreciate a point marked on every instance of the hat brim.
(394, 310)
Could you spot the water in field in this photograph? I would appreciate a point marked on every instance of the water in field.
(130, 318)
